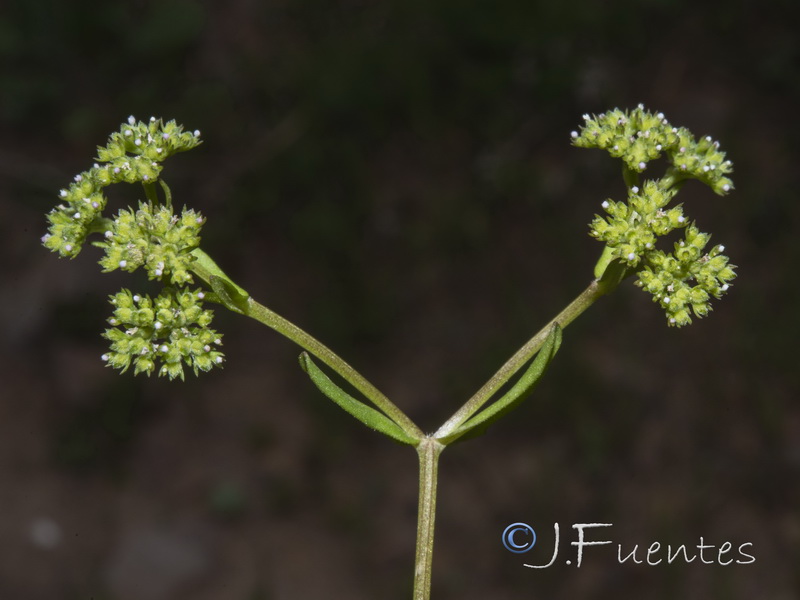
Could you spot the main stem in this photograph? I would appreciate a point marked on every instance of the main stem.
(428, 450)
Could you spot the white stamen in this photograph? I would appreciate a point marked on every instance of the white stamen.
(635, 189)
(200, 295)
(68, 247)
(128, 133)
(138, 142)
(136, 297)
(642, 165)
(721, 248)
(108, 234)
(131, 120)
(63, 193)
(77, 215)
(158, 325)
(164, 348)
(631, 256)
(725, 287)
(123, 264)
(104, 358)
(604, 204)
(207, 348)
(681, 219)
(667, 300)
(574, 134)
(78, 178)
(218, 360)
(196, 133)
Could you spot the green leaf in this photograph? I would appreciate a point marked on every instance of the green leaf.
(366, 414)
(478, 424)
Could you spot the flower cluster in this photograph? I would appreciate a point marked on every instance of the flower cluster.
(631, 229)
(155, 238)
(172, 330)
(687, 278)
(684, 281)
(639, 136)
(132, 154)
(169, 330)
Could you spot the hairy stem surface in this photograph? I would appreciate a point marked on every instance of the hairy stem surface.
(428, 450)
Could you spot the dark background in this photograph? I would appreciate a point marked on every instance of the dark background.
(396, 177)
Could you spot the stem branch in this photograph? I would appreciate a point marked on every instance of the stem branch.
(521, 357)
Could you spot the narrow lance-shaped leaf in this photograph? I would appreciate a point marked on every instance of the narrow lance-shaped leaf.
(366, 414)
(478, 423)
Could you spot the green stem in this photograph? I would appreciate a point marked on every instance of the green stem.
(206, 268)
(428, 450)
(596, 289)
(264, 315)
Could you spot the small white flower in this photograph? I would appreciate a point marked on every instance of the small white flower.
(721, 248)
(136, 297)
(123, 264)
(681, 219)
(63, 193)
(158, 325)
(68, 247)
(108, 234)
(138, 142)
(642, 165)
(164, 348)
(631, 256)
(667, 300)
(218, 360)
(131, 120)
(200, 295)
(635, 189)
(196, 133)
(574, 134)
(104, 358)
(725, 287)
(128, 133)
(604, 204)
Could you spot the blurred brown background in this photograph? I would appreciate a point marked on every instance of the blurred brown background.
(397, 178)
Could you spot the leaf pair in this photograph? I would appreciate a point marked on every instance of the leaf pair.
(476, 425)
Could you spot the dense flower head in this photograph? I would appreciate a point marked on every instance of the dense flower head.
(133, 154)
(162, 334)
(683, 281)
(639, 136)
(632, 228)
(155, 238)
